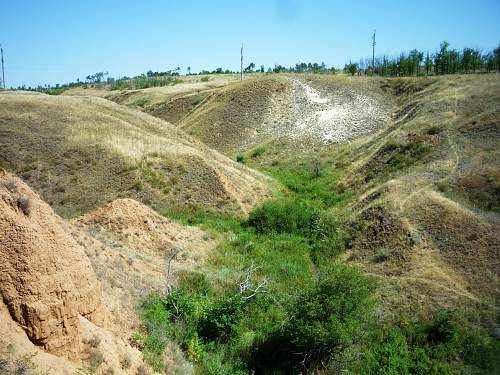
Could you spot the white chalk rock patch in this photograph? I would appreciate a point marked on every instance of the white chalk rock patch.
(338, 117)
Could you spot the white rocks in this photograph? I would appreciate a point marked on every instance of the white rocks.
(337, 117)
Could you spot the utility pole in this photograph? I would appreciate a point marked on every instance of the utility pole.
(3, 72)
(373, 51)
(241, 65)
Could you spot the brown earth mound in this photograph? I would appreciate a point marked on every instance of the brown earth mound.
(53, 304)
(126, 223)
(46, 281)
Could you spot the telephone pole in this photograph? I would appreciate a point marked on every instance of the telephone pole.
(3, 71)
(373, 51)
(241, 65)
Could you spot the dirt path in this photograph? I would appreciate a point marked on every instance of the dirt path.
(336, 116)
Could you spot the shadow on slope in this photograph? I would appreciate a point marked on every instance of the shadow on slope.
(80, 153)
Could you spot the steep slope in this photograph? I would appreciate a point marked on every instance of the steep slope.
(298, 111)
(233, 115)
(130, 246)
(424, 186)
(69, 147)
(46, 281)
(53, 314)
(134, 251)
(427, 217)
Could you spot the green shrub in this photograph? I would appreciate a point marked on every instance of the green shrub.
(325, 320)
(328, 239)
(257, 152)
(438, 346)
(331, 315)
(240, 158)
(285, 216)
(194, 282)
(221, 319)
(408, 154)
(382, 254)
(389, 357)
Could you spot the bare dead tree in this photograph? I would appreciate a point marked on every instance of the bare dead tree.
(247, 290)
(170, 256)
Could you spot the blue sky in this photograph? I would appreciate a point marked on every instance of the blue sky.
(49, 41)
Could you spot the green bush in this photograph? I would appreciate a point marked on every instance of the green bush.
(286, 216)
(433, 347)
(240, 158)
(257, 152)
(328, 239)
(221, 319)
(194, 282)
(325, 320)
(408, 154)
(330, 317)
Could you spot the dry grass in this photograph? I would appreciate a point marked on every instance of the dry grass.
(428, 191)
(69, 146)
(147, 99)
(233, 114)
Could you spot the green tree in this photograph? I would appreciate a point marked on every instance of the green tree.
(250, 68)
(428, 63)
(352, 68)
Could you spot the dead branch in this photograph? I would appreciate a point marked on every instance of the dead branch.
(170, 256)
(246, 287)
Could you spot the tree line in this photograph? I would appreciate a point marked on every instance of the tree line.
(416, 63)
(445, 60)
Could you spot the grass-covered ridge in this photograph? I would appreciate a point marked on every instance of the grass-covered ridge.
(277, 300)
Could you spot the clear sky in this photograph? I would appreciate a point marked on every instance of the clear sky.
(49, 41)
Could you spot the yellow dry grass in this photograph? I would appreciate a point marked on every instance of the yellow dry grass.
(428, 195)
(68, 146)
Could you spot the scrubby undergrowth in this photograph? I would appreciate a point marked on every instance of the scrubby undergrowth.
(277, 300)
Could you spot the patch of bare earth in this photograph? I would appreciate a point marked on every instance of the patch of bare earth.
(336, 114)
(53, 308)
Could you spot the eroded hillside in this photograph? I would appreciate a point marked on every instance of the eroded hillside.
(70, 289)
(427, 213)
(287, 109)
(82, 152)
(396, 177)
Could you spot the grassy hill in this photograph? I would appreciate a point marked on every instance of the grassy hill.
(230, 116)
(414, 206)
(424, 189)
(82, 152)
(378, 252)
(427, 188)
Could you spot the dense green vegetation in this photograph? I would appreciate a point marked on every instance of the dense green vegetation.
(415, 63)
(276, 299)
